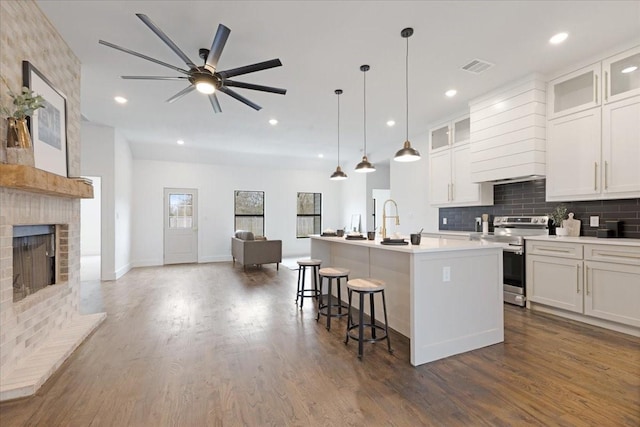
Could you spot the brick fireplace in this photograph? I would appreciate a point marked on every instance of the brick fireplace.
(40, 331)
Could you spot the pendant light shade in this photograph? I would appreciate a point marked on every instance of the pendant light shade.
(407, 153)
(365, 166)
(338, 175)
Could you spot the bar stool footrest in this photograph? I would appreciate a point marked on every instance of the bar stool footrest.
(367, 325)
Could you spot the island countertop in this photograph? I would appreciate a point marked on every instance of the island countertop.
(427, 244)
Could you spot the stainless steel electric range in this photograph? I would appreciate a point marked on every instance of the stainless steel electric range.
(512, 231)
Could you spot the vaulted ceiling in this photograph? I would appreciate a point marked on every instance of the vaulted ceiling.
(321, 45)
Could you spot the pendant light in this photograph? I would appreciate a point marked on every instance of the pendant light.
(407, 153)
(365, 166)
(338, 175)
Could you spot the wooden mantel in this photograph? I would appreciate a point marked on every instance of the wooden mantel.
(27, 178)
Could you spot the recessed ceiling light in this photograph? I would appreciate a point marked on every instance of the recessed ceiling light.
(120, 99)
(630, 69)
(558, 38)
(273, 122)
(391, 123)
(180, 142)
(451, 92)
(320, 155)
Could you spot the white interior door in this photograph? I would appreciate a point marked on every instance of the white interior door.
(180, 225)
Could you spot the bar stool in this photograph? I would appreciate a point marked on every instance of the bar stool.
(302, 293)
(324, 309)
(367, 287)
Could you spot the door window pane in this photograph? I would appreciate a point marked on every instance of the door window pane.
(180, 210)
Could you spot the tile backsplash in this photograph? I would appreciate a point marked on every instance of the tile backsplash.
(528, 198)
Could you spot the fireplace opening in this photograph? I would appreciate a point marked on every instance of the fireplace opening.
(34, 263)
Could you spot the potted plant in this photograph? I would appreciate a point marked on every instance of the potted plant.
(23, 105)
(558, 215)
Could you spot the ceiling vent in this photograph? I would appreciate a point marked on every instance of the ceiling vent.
(477, 66)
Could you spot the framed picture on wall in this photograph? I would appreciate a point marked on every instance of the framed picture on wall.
(48, 125)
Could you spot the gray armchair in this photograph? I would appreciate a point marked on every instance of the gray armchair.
(248, 250)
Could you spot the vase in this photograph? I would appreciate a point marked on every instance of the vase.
(562, 232)
(18, 133)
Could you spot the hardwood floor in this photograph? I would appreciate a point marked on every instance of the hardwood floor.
(212, 345)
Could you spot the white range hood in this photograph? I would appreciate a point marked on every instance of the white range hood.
(508, 133)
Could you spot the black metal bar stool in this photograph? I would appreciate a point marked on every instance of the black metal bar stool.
(367, 287)
(324, 308)
(302, 293)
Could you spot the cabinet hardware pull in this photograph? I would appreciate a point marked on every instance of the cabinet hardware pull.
(448, 192)
(595, 87)
(595, 176)
(606, 86)
(606, 170)
(453, 196)
(564, 251)
(586, 279)
(578, 278)
(616, 255)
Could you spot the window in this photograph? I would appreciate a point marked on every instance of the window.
(309, 214)
(180, 210)
(249, 211)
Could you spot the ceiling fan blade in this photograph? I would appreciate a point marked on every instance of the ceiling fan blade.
(180, 94)
(140, 55)
(250, 68)
(255, 87)
(214, 103)
(153, 78)
(144, 18)
(222, 34)
(239, 97)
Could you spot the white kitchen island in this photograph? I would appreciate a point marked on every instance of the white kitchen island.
(445, 295)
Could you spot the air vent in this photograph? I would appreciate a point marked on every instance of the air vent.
(477, 66)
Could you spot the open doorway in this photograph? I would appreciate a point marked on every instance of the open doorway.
(91, 233)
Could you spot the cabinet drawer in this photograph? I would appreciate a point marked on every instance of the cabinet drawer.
(555, 249)
(610, 253)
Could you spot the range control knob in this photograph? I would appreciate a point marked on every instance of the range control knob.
(534, 220)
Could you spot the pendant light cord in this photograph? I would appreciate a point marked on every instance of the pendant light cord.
(365, 112)
(338, 129)
(407, 86)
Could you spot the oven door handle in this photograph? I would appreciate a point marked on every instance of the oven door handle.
(518, 250)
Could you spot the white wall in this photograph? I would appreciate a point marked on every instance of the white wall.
(123, 195)
(90, 213)
(353, 199)
(380, 179)
(216, 185)
(410, 189)
(106, 154)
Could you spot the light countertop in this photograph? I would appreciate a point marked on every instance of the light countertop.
(587, 240)
(427, 244)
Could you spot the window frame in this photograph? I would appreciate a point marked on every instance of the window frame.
(314, 215)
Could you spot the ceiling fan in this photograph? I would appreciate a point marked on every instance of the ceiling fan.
(205, 78)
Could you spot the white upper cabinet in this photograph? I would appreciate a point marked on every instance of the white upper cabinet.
(611, 80)
(593, 134)
(574, 92)
(450, 133)
(450, 181)
(621, 76)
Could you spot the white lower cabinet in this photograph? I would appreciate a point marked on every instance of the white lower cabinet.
(595, 281)
(555, 281)
(612, 292)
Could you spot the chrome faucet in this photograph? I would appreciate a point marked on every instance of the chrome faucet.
(385, 216)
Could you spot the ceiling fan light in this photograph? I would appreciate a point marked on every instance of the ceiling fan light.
(338, 175)
(407, 153)
(205, 87)
(365, 166)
